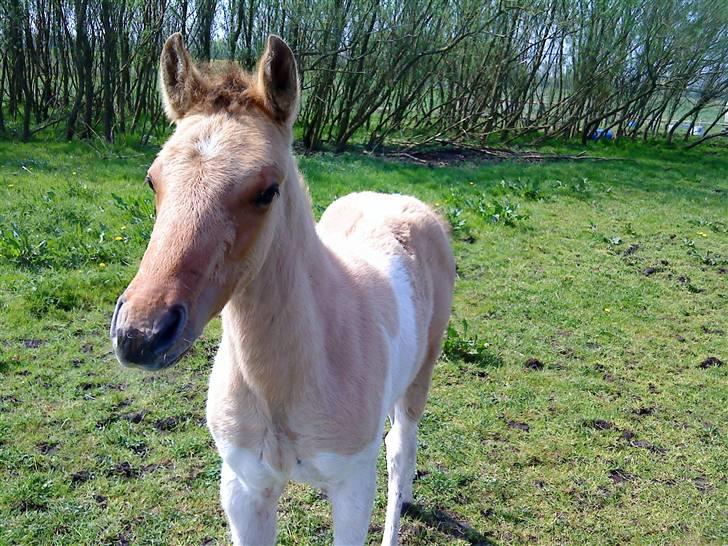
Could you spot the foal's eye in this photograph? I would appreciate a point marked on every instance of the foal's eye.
(265, 198)
(149, 183)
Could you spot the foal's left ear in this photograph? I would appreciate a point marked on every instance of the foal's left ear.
(278, 78)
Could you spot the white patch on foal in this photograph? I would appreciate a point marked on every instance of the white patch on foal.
(209, 145)
(403, 347)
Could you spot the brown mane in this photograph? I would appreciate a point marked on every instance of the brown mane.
(229, 88)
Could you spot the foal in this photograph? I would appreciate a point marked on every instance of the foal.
(327, 328)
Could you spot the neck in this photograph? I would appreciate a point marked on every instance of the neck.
(270, 323)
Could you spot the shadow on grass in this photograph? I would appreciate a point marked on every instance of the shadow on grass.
(444, 522)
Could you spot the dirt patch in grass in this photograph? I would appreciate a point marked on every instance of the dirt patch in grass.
(702, 484)
(29, 505)
(600, 424)
(134, 418)
(606, 375)
(534, 364)
(711, 362)
(168, 424)
(123, 470)
(47, 448)
(518, 425)
(619, 475)
(643, 411)
(436, 157)
(631, 249)
(80, 477)
(644, 444)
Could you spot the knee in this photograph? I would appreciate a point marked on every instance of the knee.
(230, 488)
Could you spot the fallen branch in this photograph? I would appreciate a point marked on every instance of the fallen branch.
(47, 124)
(508, 153)
(409, 156)
(499, 154)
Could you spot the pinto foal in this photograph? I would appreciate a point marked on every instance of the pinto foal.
(327, 328)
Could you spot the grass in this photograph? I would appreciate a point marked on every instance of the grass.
(582, 397)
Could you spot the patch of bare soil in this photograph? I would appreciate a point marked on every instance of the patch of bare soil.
(631, 249)
(619, 475)
(600, 424)
(80, 477)
(518, 425)
(702, 484)
(643, 410)
(29, 505)
(441, 152)
(534, 364)
(711, 362)
(134, 418)
(101, 500)
(123, 470)
(47, 448)
(168, 424)
(644, 444)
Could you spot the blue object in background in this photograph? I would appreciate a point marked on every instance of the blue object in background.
(602, 133)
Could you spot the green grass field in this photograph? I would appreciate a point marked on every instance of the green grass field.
(582, 397)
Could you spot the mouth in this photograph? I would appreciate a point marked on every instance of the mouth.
(158, 363)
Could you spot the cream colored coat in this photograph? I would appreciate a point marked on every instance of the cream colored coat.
(327, 329)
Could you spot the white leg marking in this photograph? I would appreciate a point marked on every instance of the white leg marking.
(250, 512)
(352, 500)
(401, 444)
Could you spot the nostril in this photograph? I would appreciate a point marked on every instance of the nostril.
(169, 328)
(115, 317)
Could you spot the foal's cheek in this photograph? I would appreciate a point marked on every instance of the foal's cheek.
(247, 226)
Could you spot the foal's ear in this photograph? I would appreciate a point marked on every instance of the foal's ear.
(181, 84)
(278, 78)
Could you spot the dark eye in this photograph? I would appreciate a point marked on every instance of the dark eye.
(149, 182)
(265, 197)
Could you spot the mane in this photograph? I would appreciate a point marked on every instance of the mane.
(230, 88)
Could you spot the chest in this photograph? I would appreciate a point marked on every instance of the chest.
(362, 364)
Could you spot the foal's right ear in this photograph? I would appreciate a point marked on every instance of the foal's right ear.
(181, 83)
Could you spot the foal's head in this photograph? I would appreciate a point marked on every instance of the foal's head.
(217, 183)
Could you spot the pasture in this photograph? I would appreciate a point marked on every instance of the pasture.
(582, 397)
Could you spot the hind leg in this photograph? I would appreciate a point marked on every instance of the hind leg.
(401, 442)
